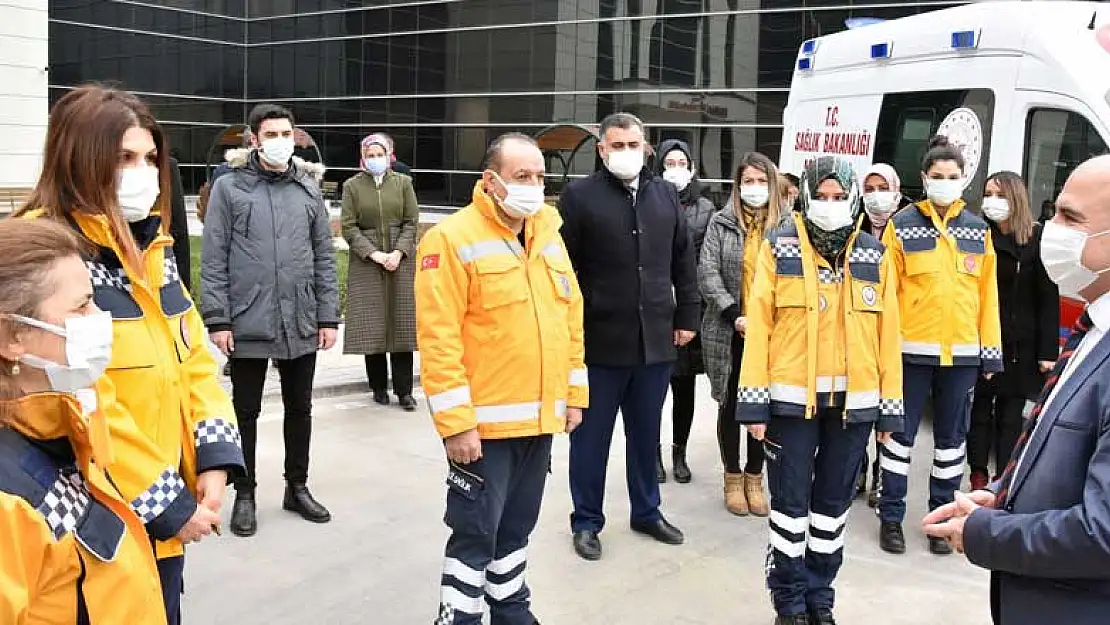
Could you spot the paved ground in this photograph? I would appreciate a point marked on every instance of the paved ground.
(380, 471)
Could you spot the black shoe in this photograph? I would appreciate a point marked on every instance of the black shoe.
(660, 530)
(793, 619)
(381, 397)
(891, 538)
(408, 403)
(660, 472)
(822, 617)
(299, 500)
(682, 473)
(939, 546)
(587, 545)
(244, 517)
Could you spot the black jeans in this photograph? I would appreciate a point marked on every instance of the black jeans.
(377, 374)
(682, 408)
(248, 377)
(729, 430)
(996, 423)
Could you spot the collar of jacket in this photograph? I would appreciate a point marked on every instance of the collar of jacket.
(727, 217)
(645, 176)
(300, 170)
(51, 416)
(96, 230)
(926, 207)
(544, 223)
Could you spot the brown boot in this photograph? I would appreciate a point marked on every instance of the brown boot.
(735, 501)
(756, 496)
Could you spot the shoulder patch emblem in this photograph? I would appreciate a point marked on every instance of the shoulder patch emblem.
(431, 261)
(869, 295)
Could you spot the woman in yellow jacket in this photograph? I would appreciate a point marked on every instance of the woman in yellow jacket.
(71, 548)
(820, 368)
(104, 167)
(945, 266)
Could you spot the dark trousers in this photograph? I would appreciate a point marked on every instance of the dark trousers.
(638, 392)
(952, 389)
(729, 430)
(682, 408)
(996, 420)
(377, 373)
(171, 572)
(811, 474)
(492, 507)
(248, 376)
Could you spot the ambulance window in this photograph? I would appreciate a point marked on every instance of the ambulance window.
(1056, 142)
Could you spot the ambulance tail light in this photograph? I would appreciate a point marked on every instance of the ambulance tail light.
(965, 39)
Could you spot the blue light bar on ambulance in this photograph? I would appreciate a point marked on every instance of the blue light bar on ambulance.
(805, 64)
(965, 39)
(881, 50)
(809, 46)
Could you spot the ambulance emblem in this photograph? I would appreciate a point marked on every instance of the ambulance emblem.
(869, 295)
(969, 262)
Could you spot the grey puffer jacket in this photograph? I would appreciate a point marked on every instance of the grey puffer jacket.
(268, 263)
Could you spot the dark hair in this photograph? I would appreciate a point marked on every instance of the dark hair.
(794, 180)
(619, 120)
(262, 112)
(940, 149)
(492, 159)
(81, 161)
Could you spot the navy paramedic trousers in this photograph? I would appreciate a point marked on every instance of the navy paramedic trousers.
(812, 466)
(639, 393)
(492, 507)
(953, 390)
(171, 573)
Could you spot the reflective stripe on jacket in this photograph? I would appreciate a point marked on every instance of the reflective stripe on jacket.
(947, 288)
(499, 330)
(69, 543)
(819, 335)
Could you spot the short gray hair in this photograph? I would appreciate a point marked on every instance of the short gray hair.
(492, 159)
(620, 120)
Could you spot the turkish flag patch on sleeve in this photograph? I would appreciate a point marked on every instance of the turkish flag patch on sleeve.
(431, 261)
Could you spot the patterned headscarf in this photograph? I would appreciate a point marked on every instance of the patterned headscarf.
(379, 140)
(820, 169)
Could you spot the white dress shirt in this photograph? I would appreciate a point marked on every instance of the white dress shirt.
(1099, 311)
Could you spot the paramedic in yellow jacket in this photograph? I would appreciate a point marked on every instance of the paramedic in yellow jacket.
(821, 365)
(104, 167)
(499, 327)
(71, 549)
(945, 265)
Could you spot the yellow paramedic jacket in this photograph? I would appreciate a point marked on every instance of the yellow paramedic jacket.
(753, 240)
(171, 418)
(945, 269)
(499, 328)
(67, 537)
(817, 334)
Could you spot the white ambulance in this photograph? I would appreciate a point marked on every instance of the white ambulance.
(1021, 86)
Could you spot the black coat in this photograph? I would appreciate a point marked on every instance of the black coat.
(635, 265)
(179, 226)
(1029, 308)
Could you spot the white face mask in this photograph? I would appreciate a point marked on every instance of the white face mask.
(830, 215)
(944, 192)
(277, 151)
(136, 191)
(88, 351)
(625, 164)
(1062, 257)
(521, 200)
(678, 176)
(754, 195)
(996, 209)
(879, 205)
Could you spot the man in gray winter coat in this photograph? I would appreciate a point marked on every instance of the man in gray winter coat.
(269, 291)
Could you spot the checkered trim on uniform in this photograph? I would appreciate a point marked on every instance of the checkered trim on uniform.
(991, 353)
(891, 407)
(972, 234)
(170, 273)
(865, 255)
(829, 276)
(65, 503)
(152, 502)
(787, 250)
(446, 615)
(917, 232)
(211, 431)
(754, 395)
(108, 277)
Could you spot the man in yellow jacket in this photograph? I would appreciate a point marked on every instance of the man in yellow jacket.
(499, 328)
(821, 365)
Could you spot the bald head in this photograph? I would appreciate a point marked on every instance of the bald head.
(1084, 205)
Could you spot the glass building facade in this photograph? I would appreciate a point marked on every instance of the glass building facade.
(443, 77)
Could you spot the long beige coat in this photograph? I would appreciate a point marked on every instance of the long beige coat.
(381, 308)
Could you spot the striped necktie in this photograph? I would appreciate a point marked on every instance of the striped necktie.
(1077, 334)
